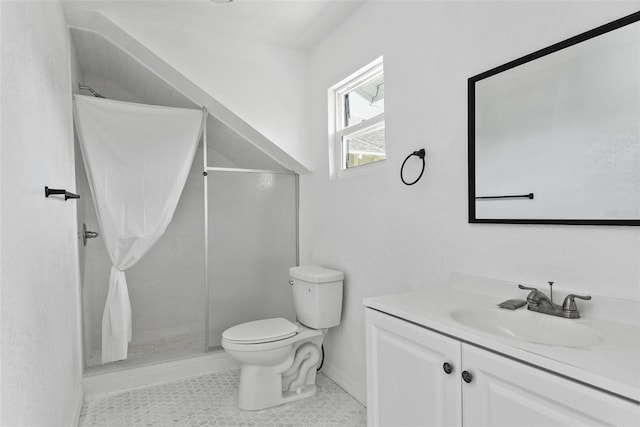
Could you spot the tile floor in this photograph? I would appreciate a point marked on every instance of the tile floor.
(211, 400)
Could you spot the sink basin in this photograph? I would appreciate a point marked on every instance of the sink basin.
(525, 325)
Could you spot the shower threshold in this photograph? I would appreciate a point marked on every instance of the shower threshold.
(152, 352)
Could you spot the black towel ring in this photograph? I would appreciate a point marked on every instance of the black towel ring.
(420, 153)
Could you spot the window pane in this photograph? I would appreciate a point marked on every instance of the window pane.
(364, 147)
(364, 102)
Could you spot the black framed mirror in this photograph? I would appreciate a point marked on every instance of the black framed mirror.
(554, 136)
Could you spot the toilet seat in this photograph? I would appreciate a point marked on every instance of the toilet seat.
(260, 331)
(303, 333)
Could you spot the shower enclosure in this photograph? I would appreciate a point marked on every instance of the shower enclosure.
(251, 245)
(217, 265)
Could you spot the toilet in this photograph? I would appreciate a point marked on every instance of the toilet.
(279, 358)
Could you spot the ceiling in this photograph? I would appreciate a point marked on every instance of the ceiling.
(298, 24)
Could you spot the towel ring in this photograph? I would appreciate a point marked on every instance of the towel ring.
(420, 153)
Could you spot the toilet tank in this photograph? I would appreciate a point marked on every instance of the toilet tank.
(317, 295)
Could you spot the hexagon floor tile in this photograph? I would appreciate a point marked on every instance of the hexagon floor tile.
(211, 400)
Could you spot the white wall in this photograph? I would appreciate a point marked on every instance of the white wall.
(264, 84)
(41, 366)
(391, 238)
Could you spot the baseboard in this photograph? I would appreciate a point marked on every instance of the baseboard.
(78, 407)
(142, 376)
(358, 391)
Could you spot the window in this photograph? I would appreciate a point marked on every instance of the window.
(358, 138)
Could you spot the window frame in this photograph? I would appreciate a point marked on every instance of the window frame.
(340, 131)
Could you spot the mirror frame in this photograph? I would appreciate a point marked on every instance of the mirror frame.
(619, 23)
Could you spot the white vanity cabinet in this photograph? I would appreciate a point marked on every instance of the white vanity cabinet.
(407, 385)
(406, 381)
(506, 392)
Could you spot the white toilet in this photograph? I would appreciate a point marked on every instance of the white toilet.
(279, 358)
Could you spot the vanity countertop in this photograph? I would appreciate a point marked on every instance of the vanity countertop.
(612, 365)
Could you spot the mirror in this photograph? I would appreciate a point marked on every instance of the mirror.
(554, 136)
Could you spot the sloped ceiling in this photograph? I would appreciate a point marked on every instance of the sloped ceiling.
(117, 75)
(298, 24)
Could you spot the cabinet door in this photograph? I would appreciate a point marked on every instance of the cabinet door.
(504, 392)
(406, 382)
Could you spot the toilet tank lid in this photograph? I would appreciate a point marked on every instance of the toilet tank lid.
(315, 274)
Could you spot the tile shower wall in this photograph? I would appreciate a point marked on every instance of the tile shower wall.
(166, 287)
(108, 88)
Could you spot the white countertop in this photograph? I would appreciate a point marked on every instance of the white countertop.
(612, 365)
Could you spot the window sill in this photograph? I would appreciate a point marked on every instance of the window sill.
(359, 170)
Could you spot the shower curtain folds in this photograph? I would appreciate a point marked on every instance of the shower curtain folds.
(137, 159)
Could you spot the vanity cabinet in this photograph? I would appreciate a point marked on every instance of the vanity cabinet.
(408, 384)
(406, 381)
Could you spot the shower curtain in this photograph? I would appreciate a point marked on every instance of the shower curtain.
(137, 159)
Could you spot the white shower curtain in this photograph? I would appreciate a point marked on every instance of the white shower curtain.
(137, 159)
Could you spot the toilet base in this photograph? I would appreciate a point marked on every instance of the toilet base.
(261, 390)
(263, 387)
(306, 391)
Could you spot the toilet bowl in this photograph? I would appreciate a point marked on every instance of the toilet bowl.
(279, 358)
(265, 364)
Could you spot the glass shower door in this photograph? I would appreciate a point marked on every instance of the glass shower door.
(252, 242)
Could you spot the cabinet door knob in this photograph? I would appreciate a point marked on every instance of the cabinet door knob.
(467, 377)
(447, 368)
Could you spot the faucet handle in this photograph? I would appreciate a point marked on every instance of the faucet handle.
(569, 303)
(534, 297)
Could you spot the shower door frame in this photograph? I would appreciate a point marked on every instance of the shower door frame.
(207, 169)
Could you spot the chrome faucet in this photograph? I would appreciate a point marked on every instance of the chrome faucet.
(538, 301)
